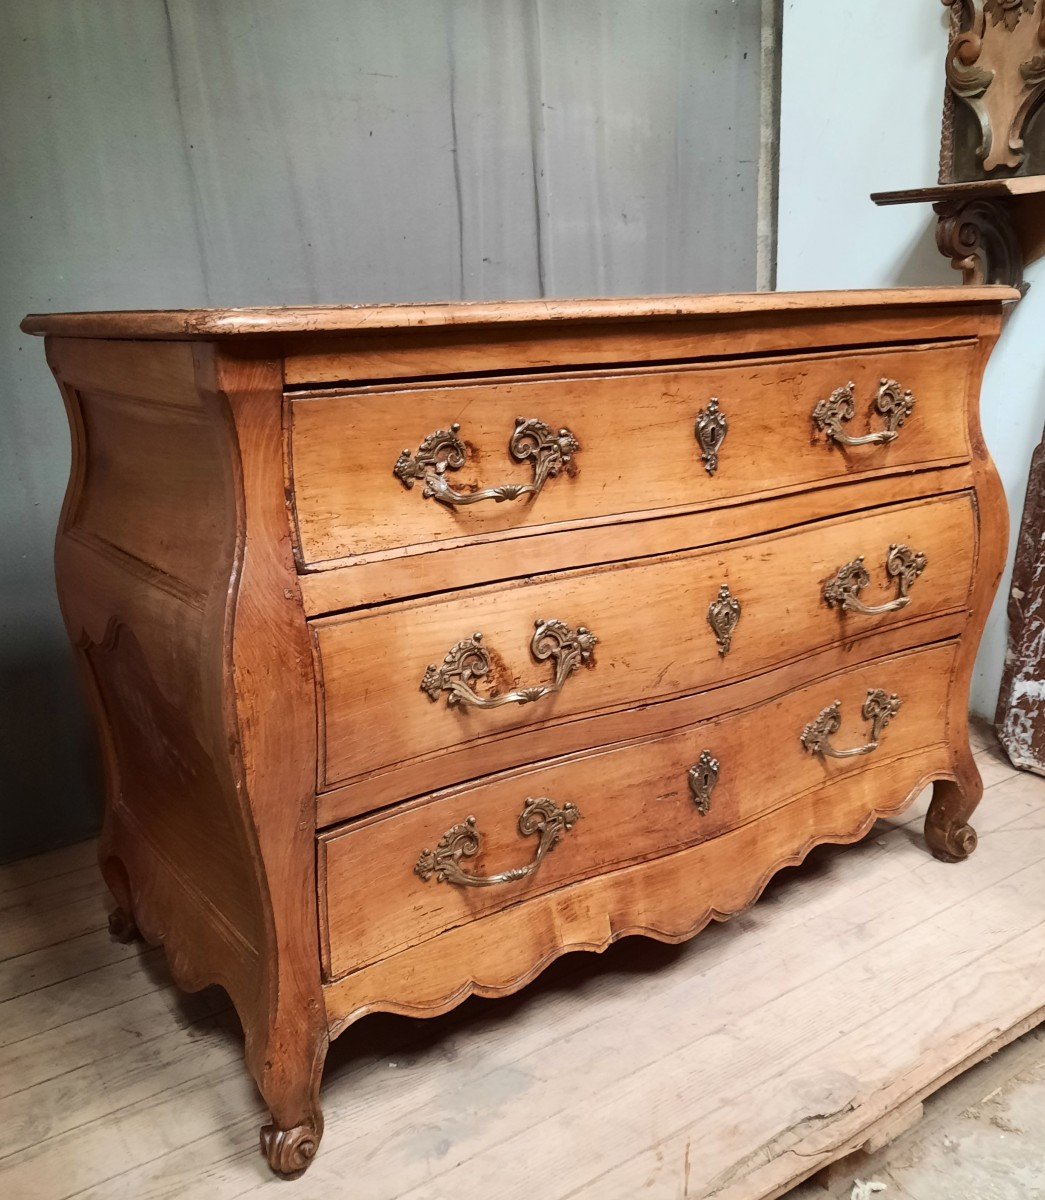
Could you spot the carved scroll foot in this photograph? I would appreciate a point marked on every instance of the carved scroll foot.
(289, 1151)
(947, 831)
(287, 1064)
(951, 844)
(121, 925)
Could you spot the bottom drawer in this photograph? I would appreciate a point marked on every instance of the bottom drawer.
(397, 879)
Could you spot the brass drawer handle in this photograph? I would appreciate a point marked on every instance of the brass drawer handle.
(567, 648)
(831, 414)
(879, 708)
(539, 817)
(444, 451)
(843, 589)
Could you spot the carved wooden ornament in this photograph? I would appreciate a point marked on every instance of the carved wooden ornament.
(996, 66)
(979, 238)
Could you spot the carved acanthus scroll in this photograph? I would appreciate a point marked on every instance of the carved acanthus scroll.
(979, 238)
(996, 67)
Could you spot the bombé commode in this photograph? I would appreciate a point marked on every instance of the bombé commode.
(428, 643)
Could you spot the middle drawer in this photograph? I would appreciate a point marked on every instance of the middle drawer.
(453, 671)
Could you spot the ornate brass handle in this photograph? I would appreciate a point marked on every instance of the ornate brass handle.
(879, 708)
(539, 816)
(831, 414)
(843, 589)
(567, 648)
(444, 451)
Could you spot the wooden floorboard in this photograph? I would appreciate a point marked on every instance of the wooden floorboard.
(730, 1067)
(36, 969)
(984, 1135)
(27, 924)
(42, 867)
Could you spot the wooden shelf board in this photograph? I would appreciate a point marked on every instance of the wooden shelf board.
(987, 189)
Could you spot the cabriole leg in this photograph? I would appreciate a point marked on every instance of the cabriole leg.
(121, 925)
(288, 1075)
(947, 830)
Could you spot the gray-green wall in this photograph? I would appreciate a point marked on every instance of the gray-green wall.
(183, 153)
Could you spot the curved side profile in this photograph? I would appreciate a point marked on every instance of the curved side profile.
(177, 586)
(947, 830)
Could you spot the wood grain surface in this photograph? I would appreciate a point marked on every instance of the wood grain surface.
(634, 804)
(670, 898)
(638, 451)
(651, 618)
(210, 323)
(440, 568)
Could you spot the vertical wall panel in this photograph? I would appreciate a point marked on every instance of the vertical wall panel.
(175, 153)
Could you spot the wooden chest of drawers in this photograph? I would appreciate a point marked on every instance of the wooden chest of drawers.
(428, 643)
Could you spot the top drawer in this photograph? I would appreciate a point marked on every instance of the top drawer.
(649, 441)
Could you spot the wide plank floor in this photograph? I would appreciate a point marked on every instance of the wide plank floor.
(734, 1066)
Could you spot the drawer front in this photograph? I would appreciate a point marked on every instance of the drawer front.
(364, 482)
(409, 682)
(391, 882)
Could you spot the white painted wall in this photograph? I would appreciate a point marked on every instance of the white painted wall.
(860, 112)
